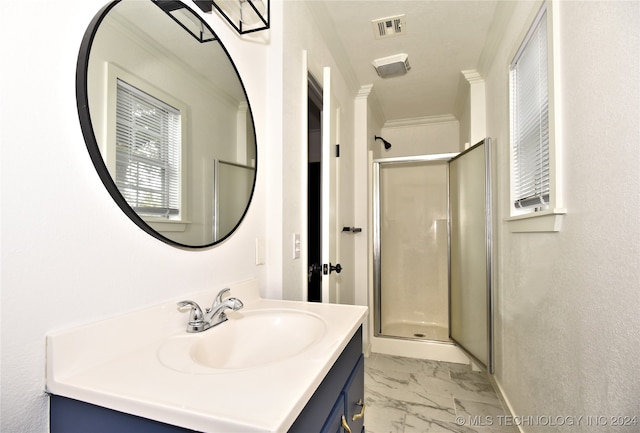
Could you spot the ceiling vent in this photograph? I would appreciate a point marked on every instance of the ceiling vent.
(387, 27)
(392, 66)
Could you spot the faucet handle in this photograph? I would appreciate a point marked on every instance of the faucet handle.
(218, 300)
(236, 304)
(196, 315)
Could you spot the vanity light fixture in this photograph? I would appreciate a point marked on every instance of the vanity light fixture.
(245, 16)
(187, 19)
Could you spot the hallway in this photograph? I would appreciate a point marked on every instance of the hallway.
(406, 395)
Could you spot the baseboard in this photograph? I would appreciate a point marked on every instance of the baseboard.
(366, 350)
(504, 400)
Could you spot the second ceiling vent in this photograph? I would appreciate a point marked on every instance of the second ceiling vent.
(392, 66)
(387, 27)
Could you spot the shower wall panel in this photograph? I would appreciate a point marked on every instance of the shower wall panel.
(414, 248)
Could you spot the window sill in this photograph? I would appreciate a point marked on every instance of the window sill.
(167, 226)
(537, 222)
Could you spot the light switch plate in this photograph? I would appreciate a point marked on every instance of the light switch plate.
(296, 246)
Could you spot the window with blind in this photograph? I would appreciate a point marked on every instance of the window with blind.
(148, 143)
(530, 119)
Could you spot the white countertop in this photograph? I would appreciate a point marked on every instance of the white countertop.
(114, 363)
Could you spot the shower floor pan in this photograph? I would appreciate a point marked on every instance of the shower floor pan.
(435, 345)
(421, 331)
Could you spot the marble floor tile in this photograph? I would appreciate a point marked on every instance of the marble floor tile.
(482, 416)
(415, 424)
(429, 405)
(381, 419)
(406, 395)
(468, 408)
(397, 364)
(470, 376)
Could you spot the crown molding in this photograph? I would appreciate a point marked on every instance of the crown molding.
(420, 121)
(368, 93)
(472, 76)
(365, 91)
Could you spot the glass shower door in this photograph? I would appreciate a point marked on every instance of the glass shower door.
(411, 248)
(232, 189)
(470, 213)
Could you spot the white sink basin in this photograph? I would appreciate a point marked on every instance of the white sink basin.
(248, 339)
(144, 363)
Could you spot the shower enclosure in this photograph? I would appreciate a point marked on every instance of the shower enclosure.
(417, 233)
(411, 247)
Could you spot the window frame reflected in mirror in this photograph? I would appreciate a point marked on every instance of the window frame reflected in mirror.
(96, 142)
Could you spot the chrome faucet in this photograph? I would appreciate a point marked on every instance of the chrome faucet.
(199, 321)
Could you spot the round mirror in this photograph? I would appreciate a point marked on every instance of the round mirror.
(167, 121)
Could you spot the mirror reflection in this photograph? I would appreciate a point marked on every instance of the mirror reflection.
(169, 126)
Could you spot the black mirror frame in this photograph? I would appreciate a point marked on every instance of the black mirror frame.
(86, 125)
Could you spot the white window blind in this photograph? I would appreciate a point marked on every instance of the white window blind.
(530, 119)
(148, 141)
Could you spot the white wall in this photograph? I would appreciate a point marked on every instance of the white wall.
(419, 139)
(464, 118)
(69, 255)
(304, 32)
(568, 322)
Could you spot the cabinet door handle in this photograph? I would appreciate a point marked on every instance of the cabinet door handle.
(345, 426)
(361, 414)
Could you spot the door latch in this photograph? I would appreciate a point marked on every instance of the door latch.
(327, 269)
(314, 269)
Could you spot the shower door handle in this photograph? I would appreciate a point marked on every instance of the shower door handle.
(327, 269)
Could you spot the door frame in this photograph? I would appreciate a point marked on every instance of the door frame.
(329, 186)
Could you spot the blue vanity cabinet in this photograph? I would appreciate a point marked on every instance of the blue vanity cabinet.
(349, 408)
(341, 393)
(338, 395)
(354, 398)
(72, 416)
(334, 422)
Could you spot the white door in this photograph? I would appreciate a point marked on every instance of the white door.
(330, 119)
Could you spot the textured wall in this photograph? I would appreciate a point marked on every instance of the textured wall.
(568, 303)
